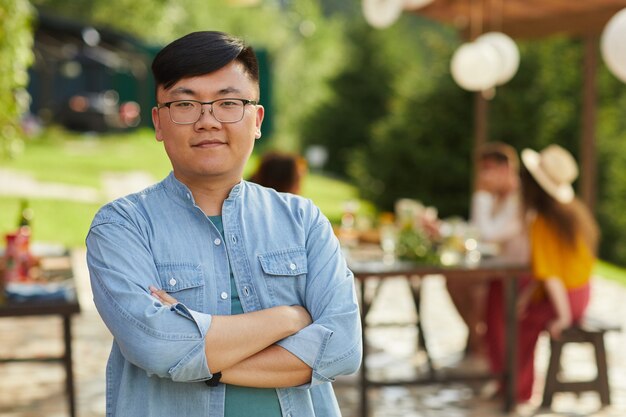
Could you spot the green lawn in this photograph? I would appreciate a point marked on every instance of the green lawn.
(74, 159)
(59, 156)
(610, 271)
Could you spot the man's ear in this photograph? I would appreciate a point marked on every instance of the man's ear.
(260, 113)
(156, 121)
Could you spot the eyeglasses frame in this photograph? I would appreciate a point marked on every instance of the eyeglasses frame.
(202, 104)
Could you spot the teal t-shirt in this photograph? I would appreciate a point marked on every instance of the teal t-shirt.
(245, 401)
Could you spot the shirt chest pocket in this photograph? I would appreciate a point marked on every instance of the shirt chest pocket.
(285, 273)
(184, 282)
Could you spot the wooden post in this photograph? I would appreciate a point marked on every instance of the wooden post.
(481, 122)
(587, 185)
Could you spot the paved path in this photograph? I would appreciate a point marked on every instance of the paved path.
(36, 390)
(113, 184)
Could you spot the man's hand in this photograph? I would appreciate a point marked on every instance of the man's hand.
(162, 296)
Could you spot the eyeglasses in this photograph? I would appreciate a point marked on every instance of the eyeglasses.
(225, 110)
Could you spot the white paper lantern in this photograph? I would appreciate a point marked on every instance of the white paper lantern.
(475, 66)
(613, 45)
(508, 54)
(382, 13)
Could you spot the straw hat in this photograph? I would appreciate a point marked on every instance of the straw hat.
(554, 169)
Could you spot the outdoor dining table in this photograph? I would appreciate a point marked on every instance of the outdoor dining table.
(58, 270)
(375, 269)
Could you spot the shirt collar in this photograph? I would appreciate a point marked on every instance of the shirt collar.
(183, 194)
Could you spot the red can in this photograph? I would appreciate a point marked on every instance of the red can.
(17, 256)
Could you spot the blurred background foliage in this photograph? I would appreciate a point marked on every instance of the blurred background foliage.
(16, 55)
(382, 102)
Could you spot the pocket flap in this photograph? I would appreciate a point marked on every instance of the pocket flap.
(177, 277)
(288, 262)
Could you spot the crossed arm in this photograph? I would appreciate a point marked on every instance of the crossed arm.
(242, 346)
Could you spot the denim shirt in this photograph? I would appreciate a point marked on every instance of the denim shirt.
(282, 251)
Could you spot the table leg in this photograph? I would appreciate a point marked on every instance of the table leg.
(510, 372)
(67, 362)
(415, 282)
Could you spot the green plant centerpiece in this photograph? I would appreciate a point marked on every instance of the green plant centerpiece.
(418, 235)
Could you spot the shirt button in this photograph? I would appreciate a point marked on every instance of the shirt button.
(292, 266)
(188, 196)
(172, 282)
(224, 295)
(217, 241)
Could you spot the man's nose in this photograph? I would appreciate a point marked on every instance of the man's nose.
(206, 115)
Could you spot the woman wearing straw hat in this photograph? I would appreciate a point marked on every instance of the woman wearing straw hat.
(563, 238)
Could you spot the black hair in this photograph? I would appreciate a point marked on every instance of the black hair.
(200, 53)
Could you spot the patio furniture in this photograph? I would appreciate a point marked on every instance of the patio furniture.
(368, 270)
(590, 331)
(62, 307)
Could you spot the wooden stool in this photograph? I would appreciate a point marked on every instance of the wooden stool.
(590, 331)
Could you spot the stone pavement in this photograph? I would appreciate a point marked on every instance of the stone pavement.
(36, 389)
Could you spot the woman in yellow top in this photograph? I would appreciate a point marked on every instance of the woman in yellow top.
(563, 240)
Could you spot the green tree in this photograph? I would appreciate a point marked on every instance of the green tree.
(16, 55)
(343, 122)
(422, 149)
(412, 137)
(611, 182)
(542, 103)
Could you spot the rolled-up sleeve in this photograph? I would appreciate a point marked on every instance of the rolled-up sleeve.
(164, 341)
(331, 345)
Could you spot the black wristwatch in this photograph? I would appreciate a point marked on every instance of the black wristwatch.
(215, 379)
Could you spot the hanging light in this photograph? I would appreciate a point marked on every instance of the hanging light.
(508, 54)
(612, 45)
(475, 66)
(382, 13)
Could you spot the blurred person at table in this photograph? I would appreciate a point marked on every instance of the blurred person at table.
(281, 171)
(496, 215)
(224, 298)
(563, 240)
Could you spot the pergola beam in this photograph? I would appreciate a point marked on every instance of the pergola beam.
(525, 18)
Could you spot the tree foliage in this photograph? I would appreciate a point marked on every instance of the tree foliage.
(343, 122)
(16, 55)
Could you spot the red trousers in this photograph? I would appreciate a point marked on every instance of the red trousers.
(533, 322)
